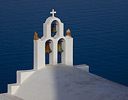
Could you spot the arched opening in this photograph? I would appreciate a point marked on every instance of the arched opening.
(61, 51)
(48, 51)
(54, 28)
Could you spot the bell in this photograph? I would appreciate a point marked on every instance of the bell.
(47, 48)
(60, 47)
(53, 28)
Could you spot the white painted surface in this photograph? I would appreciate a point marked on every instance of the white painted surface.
(68, 51)
(47, 27)
(8, 97)
(53, 12)
(39, 45)
(39, 57)
(21, 77)
(12, 88)
(83, 67)
(69, 83)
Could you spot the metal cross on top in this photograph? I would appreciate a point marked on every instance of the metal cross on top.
(53, 12)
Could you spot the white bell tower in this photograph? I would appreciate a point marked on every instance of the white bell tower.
(40, 44)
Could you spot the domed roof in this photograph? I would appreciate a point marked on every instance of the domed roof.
(69, 83)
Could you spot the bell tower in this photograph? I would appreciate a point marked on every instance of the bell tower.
(53, 48)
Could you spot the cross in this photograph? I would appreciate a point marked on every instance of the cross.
(53, 12)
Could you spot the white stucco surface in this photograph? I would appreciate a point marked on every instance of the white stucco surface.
(39, 45)
(62, 82)
(8, 97)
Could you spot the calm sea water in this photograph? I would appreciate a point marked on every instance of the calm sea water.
(99, 29)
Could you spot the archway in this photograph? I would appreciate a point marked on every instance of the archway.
(61, 51)
(48, 50)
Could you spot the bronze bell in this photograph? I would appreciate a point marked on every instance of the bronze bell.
(60, 47)
(47, 48)
(53, 28)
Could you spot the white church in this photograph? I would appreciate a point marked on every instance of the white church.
(54, 77)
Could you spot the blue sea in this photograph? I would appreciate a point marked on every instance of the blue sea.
(99, 29)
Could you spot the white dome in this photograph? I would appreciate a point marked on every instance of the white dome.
(69, 83)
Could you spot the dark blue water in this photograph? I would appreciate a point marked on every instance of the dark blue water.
(99, 29)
